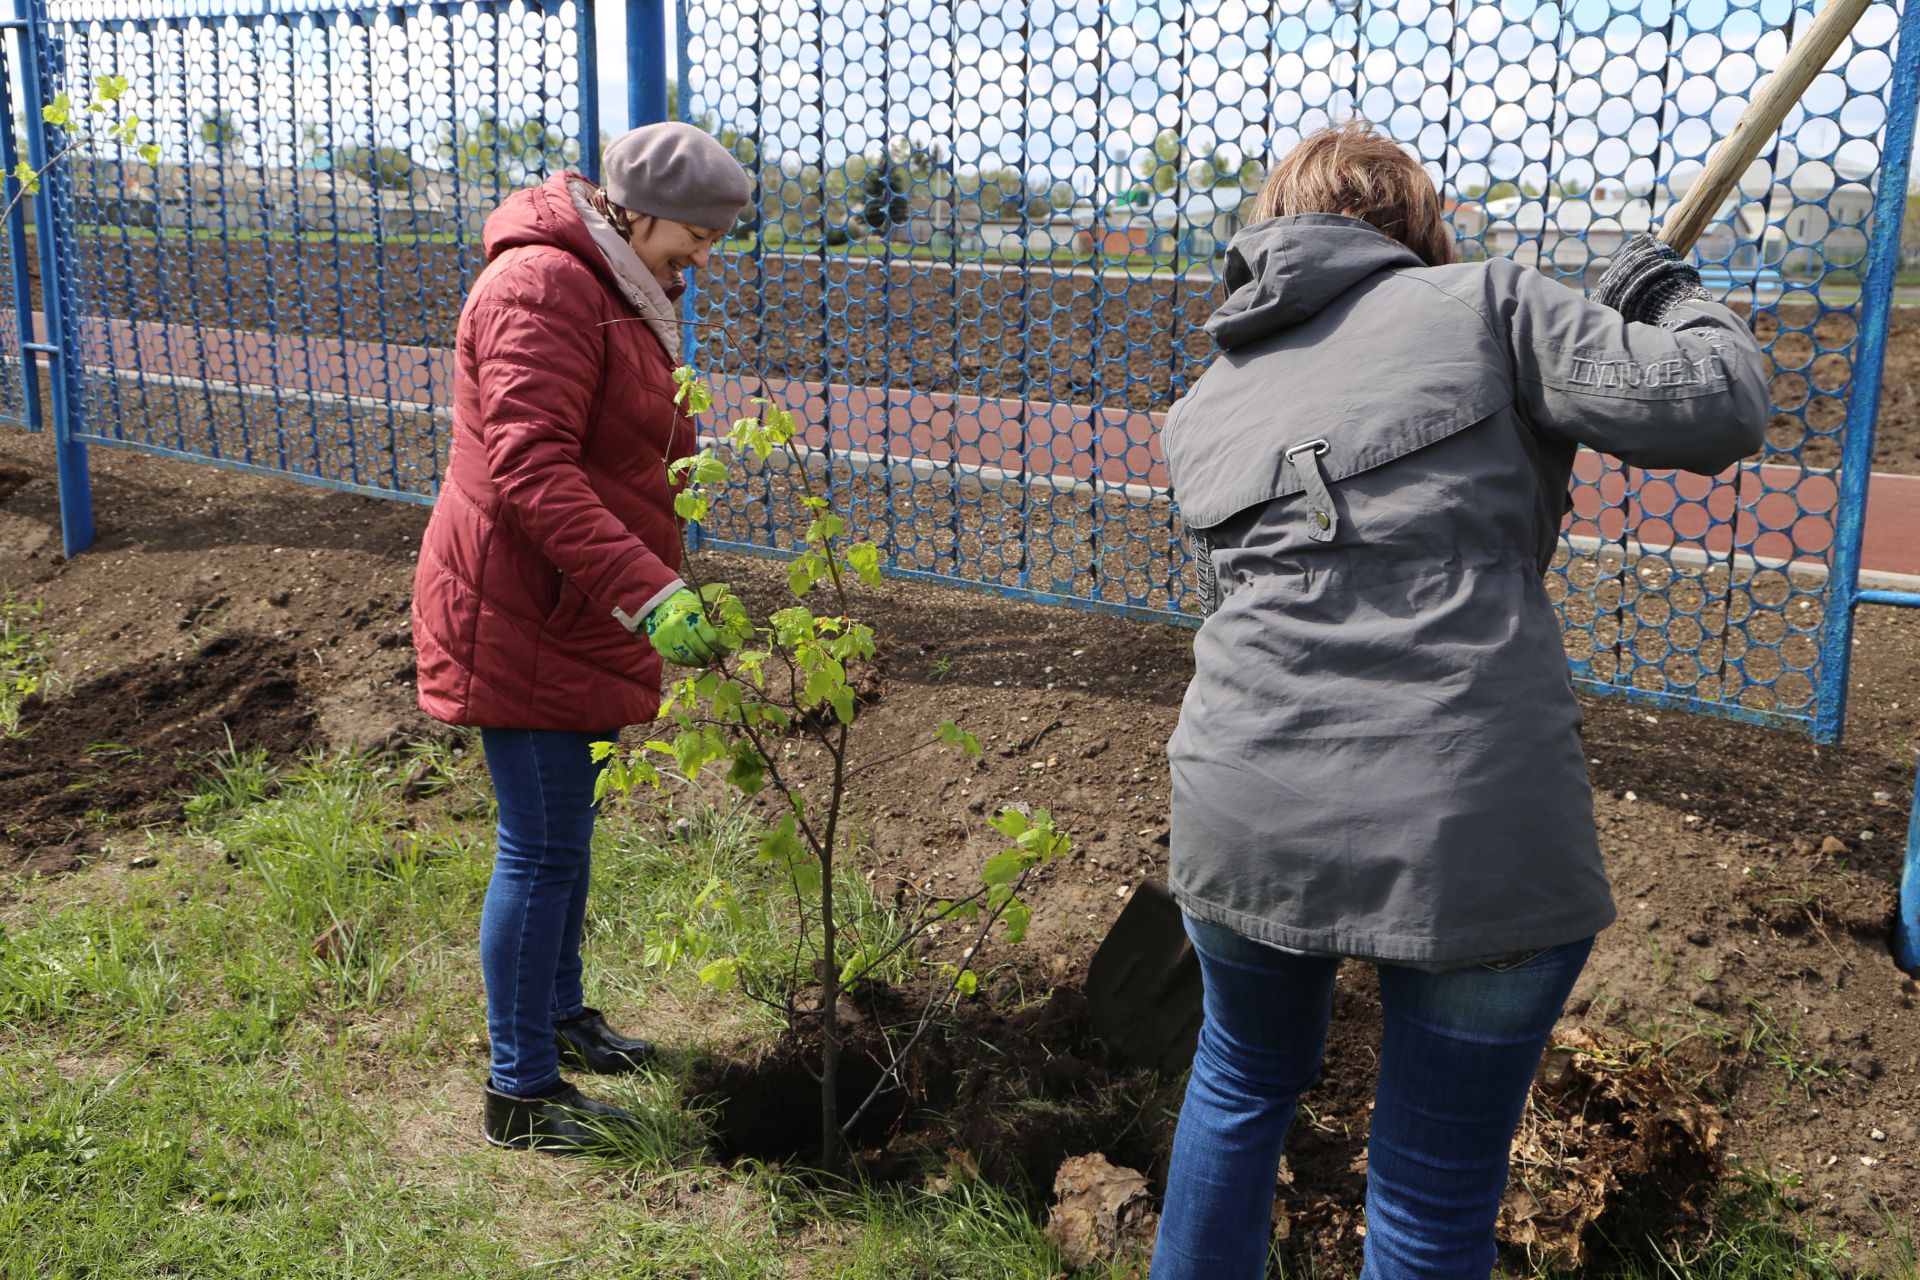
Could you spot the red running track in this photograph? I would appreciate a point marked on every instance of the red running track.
(1772, 513)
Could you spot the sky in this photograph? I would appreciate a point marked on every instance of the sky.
(1484, 90)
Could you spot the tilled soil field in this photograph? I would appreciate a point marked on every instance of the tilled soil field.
(1742, 1014)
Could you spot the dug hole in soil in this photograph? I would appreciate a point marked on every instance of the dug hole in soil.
(1743, 1011)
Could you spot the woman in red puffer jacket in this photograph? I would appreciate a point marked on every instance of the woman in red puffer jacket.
(552, 559)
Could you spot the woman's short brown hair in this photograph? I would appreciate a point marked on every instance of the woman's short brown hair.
(1349, 169)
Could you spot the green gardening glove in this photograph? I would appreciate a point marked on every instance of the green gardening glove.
(691, 632)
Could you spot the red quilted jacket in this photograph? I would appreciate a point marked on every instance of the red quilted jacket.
(555, 509)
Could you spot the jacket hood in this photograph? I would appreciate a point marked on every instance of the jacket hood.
(1285, 270)
(545, 215)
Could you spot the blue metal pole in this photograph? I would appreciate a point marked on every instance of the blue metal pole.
(17, 239)
(646, 62)
(70, 455)
(1876, 307)
(589, 87)
(1906, 923)
(1875, 311)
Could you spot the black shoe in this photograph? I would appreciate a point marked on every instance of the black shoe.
(564, 1121)
(588, 1043)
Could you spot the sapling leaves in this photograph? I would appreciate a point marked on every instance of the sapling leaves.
(864, 559)
(954, 736)
(738, 713)
(690, 392)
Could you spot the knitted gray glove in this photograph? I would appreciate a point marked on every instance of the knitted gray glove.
(1647, 280)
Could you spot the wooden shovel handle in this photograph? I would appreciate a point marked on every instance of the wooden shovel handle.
(1763, 115)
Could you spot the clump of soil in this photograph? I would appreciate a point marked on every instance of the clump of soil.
(119, 751)
(1614, 1146)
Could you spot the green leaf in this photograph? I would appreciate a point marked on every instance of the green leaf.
(1003, 868)
(59, 111)
(842, 700)
(954, 736)
(1010, 822)
(781, 845)
(780, 428)
(721, 975)
(28, 178)
(689, 504)
(690, 392)
(806, 878)
(695, 749)
(1018, 916)
(825, 528)
(150, 153)
(967, 983)
(802, 574)
(110, 88)
(864, 559)
(749, 771)
(825, 682)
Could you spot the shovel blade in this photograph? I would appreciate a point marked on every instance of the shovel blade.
(1143, 985)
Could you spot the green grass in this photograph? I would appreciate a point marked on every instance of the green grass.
(188, 1087)
(25, 659)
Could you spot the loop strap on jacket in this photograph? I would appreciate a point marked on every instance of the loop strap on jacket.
(1322, 521)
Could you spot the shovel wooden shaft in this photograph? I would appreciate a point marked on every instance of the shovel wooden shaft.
(1778, 93)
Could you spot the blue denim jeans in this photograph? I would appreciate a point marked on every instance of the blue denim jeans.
(537, 900)
(1458, 1053)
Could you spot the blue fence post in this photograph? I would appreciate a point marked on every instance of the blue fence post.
(52, 210)
(1876, 312)
(589, 89)
(1863, 405)
(646, 62)
(17, 230)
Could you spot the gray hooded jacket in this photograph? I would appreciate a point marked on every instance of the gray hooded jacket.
(1379, 755)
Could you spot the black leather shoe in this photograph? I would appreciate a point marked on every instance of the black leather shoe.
(564, 1122)
(588, 1043)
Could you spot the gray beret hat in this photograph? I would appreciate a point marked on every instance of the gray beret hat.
(674, 170)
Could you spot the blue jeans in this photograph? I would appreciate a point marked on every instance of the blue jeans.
(1458, 1053)
(537, 900)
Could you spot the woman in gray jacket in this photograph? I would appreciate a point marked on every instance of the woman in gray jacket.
(1379, 756)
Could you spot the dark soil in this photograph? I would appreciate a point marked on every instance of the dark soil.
(120, 750)
(1755, 872)
(1111, 340)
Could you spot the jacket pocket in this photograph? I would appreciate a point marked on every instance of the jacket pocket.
(566, 611)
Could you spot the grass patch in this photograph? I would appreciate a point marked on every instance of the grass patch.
(191, 1083)
(25, 661)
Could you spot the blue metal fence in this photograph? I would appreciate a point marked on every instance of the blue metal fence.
(19, 394)
(279, 291)
(984, 237)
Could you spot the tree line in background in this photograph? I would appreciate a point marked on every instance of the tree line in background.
(868, 196)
